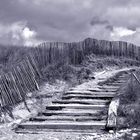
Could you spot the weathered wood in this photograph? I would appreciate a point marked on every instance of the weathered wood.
(136, 77)
(15, 84)
(24, 101)
(112, 114)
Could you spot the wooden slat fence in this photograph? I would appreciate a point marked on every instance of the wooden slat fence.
(16, 83)
(75, 53)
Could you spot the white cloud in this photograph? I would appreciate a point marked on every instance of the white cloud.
(119, 32)
(17, 33)
(27, 33)
(29, 36)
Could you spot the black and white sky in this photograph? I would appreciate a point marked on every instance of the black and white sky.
(29, 22)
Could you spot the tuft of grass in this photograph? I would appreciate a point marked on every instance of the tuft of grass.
(65, 72)
(96, 62)
(129, 108)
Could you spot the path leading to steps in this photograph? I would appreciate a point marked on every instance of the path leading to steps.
(81, 109)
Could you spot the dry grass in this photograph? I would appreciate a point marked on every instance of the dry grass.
(129, 109)
(97, 61)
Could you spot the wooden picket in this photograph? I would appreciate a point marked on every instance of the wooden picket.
(21, 79)
(74, 53)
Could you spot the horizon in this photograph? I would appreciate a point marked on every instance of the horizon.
(37, 45)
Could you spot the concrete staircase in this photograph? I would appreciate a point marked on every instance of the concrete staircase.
(76, 111)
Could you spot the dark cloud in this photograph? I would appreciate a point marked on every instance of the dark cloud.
(96, 20)
(109, 27)
(67, 20)
(132, 27)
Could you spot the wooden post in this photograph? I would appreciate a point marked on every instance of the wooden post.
(137, 79)
(131, 82)
(41, 104)
(26, 105)
(112, 114)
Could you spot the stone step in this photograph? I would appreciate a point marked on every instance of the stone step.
(85, 89)
(63, 125)
(101, 90)
(86, 102)
(95, 109)
(68, 118)
(94, 96)
(44, 131)
(78, 91)
(73, 106)
(109, 87)
(73, 112)
(105, 91)
(90, 93)
(122, 78)
(92, 90)
(119, 82)
(114, 84)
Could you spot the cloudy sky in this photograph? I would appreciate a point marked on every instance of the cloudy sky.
(29, 22)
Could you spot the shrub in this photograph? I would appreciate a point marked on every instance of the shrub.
(58, 71)
(130, 103)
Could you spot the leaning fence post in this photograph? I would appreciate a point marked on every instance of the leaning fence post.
(26, 105)
(137, 79)
(132, 81)
(112, 114)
